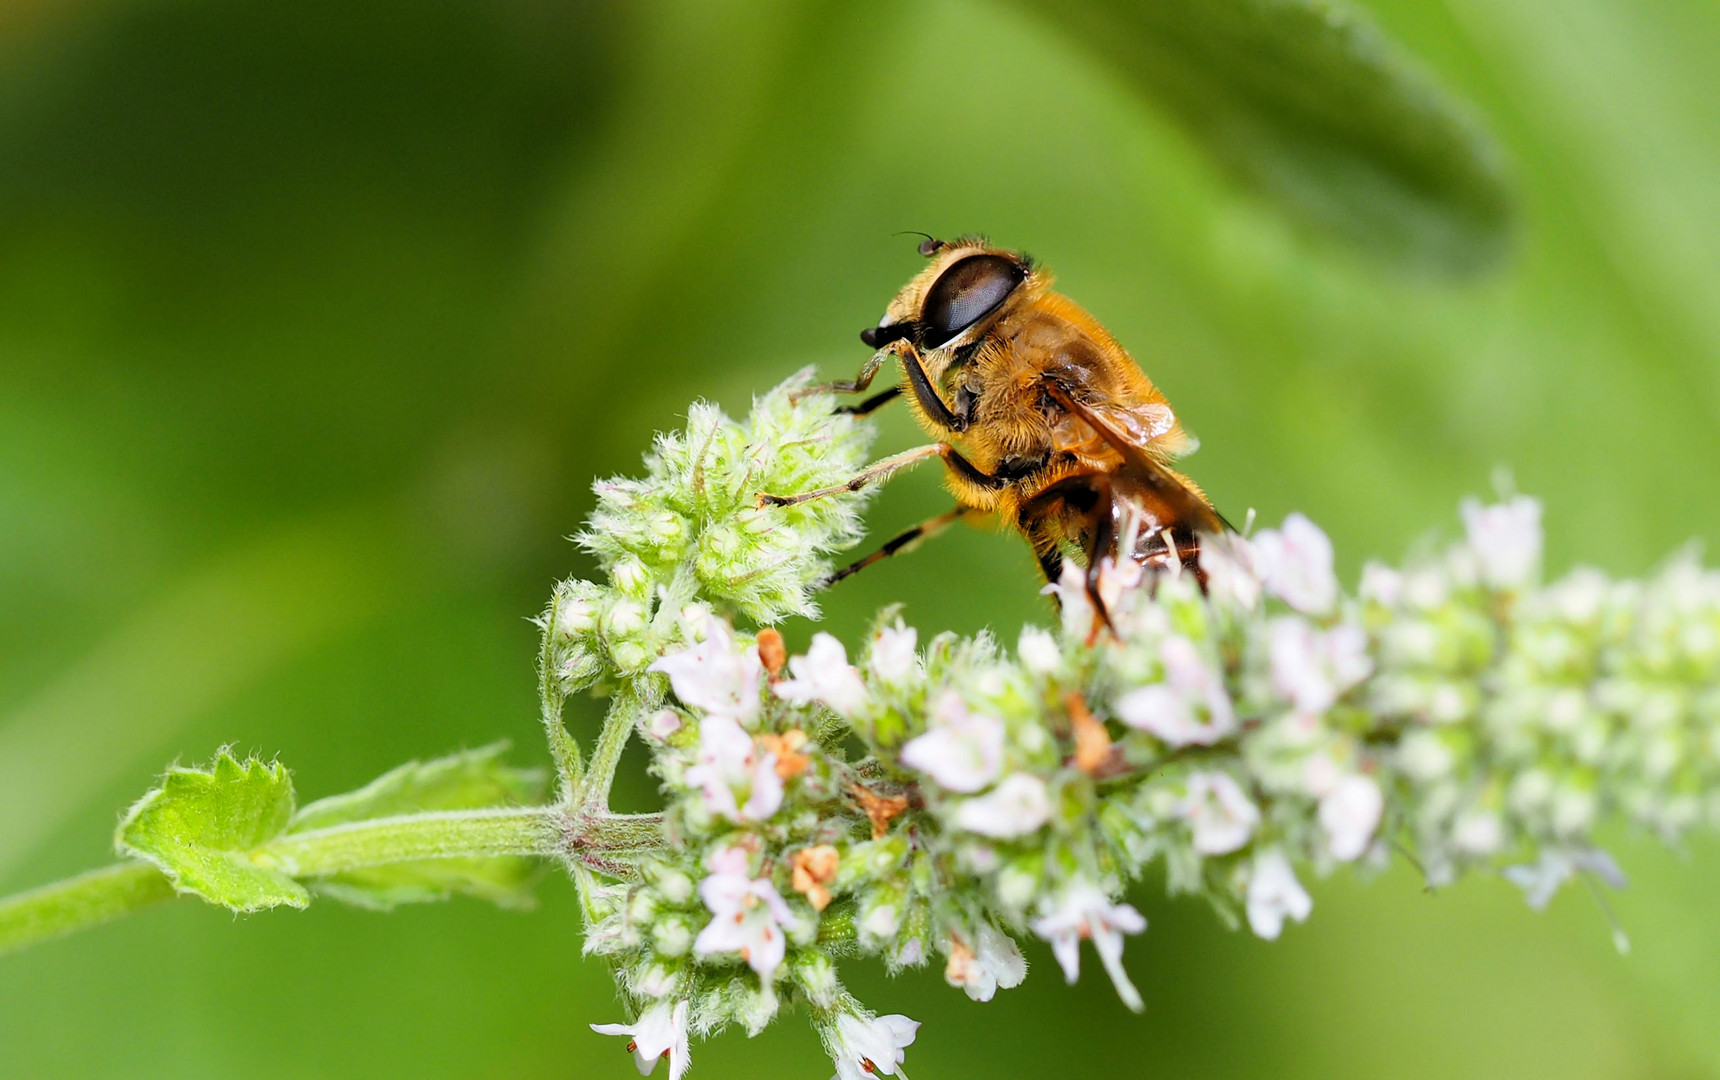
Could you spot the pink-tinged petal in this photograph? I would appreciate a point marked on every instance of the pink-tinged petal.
(963, 751)
(779, 910)
(894, 657)
(1016, 807)
(1295, 563)
(723, 934)
(732, 861)
(824, 674)
(766, 797)
(902, 1029)
(1220, 815)
(1505, 540)
(1109, 945)
(1126, 918)
(765, 948)
(724, 893)
(1274, 894)
(1349, 814)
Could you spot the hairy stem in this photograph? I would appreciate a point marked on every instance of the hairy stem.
(630, 703)
(439, 835)
(563, 748)
(86, 900)
(603, 841)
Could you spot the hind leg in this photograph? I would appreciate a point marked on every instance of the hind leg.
(909, 540)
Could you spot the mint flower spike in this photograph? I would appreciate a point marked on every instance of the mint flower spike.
(910, 799)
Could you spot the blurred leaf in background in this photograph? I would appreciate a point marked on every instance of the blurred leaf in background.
(316, 322)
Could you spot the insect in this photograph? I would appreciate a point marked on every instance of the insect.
(1040, 416)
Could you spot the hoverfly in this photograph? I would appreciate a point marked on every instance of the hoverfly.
(1060, 433)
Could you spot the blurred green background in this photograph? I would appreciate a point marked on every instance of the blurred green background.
(317, 320)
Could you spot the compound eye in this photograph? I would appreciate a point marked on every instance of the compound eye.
(966, 293)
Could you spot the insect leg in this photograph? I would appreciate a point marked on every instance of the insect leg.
(868, 372)
(1100, 543)
(930, 402)
(1045, 549)
(882, 469)
(909, 540)
(873, 403)
(874, 473)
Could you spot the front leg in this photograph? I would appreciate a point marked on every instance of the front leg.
(868, 372)
(881, 470)
(931, 403)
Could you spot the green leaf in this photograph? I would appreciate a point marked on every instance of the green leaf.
(505, 881)
(470, 780)
(202, 826)
(1307, 103)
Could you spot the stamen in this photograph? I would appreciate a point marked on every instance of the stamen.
(1621, 940)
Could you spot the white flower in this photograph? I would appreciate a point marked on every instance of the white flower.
(893, 658)
(1016, 807)
(1478, 832)
(1070, 589)
(1085, 912)
(1540, 880)
(1232, 570)
(714, 676)
(1173, 709)
(660, 1032)
(1505, 539)
(1038, 651)
(1219, 812)
(1349, 814)
(1295, 562)
(1119, 578)
(861, 1047)
(1273, 894)
(990, 962)
(1381, 584)
(1313, 668)
(824, 674)
(728, 759)
(963, 751)
(747, 914)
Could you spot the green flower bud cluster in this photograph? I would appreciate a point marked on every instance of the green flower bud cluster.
(690, 535)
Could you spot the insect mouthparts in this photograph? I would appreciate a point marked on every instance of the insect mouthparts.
(879, 336)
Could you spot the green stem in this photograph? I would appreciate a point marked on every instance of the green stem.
(563, 748)
(631, 702)
(438, 835)
(605, 842)
(76, 903)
